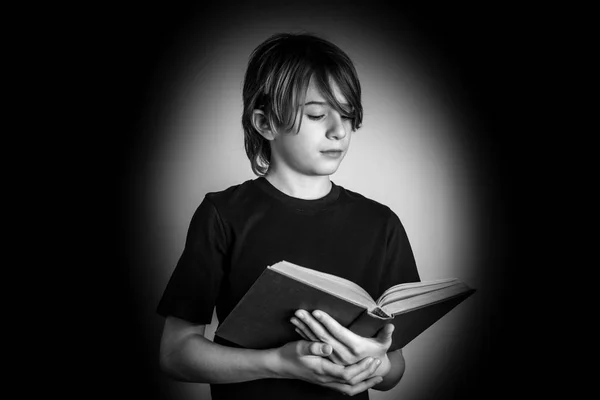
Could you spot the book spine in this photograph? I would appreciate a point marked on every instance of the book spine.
(379, 313)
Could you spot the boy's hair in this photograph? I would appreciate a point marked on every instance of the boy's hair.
(276, 80)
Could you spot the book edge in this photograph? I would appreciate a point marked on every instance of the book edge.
(467, 292)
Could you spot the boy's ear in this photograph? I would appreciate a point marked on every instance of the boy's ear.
(261, 124)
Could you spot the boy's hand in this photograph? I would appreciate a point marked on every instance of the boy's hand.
(307, 361)
(348, 347)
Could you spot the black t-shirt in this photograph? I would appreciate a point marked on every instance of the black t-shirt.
(236, 233)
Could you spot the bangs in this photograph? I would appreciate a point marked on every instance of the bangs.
(285, 87)
(349, 89)
(285, 95)
(289, 97)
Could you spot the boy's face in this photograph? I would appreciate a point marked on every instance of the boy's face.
(322, 141)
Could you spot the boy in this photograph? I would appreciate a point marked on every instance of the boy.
(302, 101)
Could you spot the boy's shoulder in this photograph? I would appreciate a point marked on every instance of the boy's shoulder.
(231, 194)
(365, 203)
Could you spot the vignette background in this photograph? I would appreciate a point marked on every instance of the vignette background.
(433, 148)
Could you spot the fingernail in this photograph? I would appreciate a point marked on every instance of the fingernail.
(299, 314)
(317, 314)
(378, 361)
(325, 349)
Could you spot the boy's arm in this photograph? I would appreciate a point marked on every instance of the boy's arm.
(186, 355)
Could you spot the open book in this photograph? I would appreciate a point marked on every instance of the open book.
(262, 317)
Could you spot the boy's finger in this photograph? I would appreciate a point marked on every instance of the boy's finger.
(365, 373)
(335, 329)
(349, 374)
(299, 332)
(336, 359)
(353, 372)
(305, 330)
(318, 330)
(322, 335)
(339, 372)
(320, 349)
(308, 348)
(351, 390)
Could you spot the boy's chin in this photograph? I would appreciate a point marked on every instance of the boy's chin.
(325, 171)
(318, 168)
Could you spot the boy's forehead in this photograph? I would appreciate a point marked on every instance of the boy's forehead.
(313, 94)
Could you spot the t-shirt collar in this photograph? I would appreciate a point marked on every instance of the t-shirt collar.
(299, 204)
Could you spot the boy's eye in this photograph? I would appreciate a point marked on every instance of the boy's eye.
(319, 117)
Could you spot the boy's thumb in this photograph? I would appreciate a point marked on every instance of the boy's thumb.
(325, 349)
(317, 349)
(385, 333)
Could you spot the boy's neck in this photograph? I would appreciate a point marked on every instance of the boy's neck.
(301, 187)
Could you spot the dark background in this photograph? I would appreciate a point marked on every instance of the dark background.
(500, 58)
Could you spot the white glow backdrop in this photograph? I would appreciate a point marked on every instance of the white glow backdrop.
(410, 154)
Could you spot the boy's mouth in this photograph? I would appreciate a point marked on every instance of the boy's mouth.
(332, 153)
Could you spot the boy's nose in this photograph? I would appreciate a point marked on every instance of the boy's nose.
(336, 129)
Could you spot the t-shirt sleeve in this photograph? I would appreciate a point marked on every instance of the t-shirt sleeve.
(400, 262)
(194, 285)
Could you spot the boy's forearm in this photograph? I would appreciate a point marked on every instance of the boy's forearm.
(199, 360)
(397, 366)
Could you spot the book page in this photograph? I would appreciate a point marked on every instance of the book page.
(330, 283)
(427, 299)
(407, 290)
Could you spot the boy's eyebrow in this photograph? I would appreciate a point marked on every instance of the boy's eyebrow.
(324, 103)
